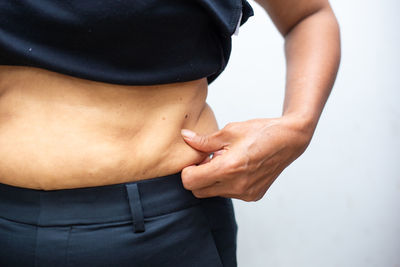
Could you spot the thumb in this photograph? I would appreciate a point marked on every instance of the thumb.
(206, 143)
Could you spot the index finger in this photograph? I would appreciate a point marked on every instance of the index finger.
(195, 177)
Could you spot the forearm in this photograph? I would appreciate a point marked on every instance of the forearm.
(312, 50)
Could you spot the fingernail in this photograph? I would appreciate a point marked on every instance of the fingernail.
(187, 134)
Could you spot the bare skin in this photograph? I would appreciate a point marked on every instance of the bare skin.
(58, 131)
(250, 155)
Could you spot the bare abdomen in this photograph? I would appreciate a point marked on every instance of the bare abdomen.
(58, 132)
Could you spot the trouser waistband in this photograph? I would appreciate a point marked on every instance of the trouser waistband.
(100, 204)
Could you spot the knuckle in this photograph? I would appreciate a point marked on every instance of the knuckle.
(228, 168)
(259, 197)
(186, 180)
(247, 198)
(241, 165)
(232, 165)
(248, 194)
(229, 130)
(218, 134)
(241, 187)
(203, 141)
(235, 168)
(235, 164)
(258, 194)
(186, 184)
(229, 126)
(199, 194)
(261, 194)
(250, 197)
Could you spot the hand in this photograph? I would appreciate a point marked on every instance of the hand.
(248, 157)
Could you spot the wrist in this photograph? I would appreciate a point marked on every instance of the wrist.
(302, 122)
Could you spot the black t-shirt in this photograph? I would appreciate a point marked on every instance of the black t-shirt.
(130, 42)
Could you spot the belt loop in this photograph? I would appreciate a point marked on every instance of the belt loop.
(136, 207)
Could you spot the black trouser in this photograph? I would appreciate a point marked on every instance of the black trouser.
(154, 222)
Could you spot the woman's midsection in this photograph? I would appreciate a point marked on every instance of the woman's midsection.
(57, 131)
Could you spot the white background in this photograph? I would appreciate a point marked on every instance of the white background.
(339, 203)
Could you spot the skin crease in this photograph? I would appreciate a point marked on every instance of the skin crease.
(250, 155)
(59, 131)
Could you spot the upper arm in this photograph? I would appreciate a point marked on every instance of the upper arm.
(288, 13)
